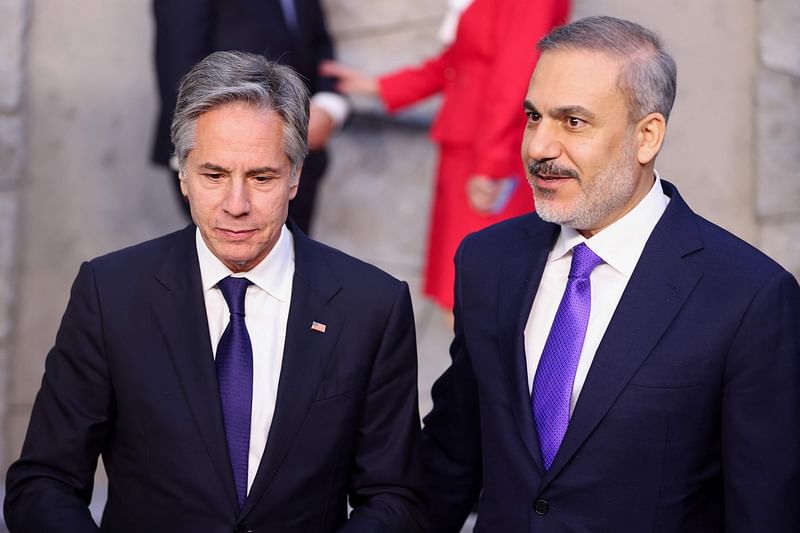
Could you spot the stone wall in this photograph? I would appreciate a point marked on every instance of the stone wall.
(778, 132)
(88, 184)
(12, 29)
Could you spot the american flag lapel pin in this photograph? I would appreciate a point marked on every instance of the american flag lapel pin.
(318, 326)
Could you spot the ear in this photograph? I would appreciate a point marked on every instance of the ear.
(296, 185)
(182, 183)
(650, 132)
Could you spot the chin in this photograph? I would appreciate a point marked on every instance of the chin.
(550, 212)
(237, 264)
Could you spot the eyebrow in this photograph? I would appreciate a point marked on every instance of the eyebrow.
(252, 172)
(564, 111)
(214, 168)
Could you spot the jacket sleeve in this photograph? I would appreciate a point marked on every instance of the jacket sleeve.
(385, 481)
(452, 434)
(521, 23)
(49, 488)
(183, 37)
(760, 416)
(323, 49)
(410, 85)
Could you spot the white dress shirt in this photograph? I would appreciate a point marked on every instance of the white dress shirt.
(266, 315)
(449, 27)
(619, 246)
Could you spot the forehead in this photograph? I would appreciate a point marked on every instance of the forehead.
(238, 134)
(583, 78)
(239, 122)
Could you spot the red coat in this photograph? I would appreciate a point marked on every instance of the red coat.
(484, 77)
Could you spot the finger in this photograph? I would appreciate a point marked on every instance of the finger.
(329, 68)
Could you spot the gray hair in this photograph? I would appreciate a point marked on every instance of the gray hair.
(648, 79)
(228, 77)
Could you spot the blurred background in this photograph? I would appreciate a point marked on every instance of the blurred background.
(78, 104)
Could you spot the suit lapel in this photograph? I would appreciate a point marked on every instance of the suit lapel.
(179, 307)
(658, 288)
(521, 274)
(305, 356)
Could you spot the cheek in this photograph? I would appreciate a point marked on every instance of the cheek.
(202, 208)
(271, 209)
(589, 155)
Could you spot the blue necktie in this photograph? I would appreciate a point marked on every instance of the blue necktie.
(234, 362)
(555, 375)
(290, 16)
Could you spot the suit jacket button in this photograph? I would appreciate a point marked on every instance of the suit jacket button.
(541, 507)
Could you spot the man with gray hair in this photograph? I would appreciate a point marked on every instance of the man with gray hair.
(620, 364)
(235, 376)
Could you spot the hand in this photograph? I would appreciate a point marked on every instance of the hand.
(482, 193)
(320, 128)
(350, 81)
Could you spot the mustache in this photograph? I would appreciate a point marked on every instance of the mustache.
(548, 168)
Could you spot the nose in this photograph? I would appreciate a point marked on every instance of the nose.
(541, 143)
(237, 198)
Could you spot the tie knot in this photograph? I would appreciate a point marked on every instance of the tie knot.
(234, 289)
(584, 260)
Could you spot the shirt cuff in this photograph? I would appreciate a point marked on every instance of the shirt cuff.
(334, 104)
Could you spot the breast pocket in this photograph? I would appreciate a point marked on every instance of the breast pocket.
(676, 370)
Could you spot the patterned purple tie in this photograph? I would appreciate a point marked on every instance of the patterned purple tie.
(235, 378)
(555, 375)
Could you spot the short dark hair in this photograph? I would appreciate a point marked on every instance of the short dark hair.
(227, 77)
(649, 78)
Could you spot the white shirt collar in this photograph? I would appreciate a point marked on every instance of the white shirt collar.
(273, 274)
(621, 243)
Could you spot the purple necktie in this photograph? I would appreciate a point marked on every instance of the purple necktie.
(555, 375)
(235, 378)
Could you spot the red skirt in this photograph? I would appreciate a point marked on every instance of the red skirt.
(452, 218)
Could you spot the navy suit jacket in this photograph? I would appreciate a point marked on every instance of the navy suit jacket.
(689, 419)
(131, 377)
(189, 30)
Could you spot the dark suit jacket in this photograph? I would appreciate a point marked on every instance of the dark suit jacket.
(132, 377)
(689, 419)
(189, 30)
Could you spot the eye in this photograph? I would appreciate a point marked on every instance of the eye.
(213, 176)
(533, 116)
(261, 179)
(575, 122)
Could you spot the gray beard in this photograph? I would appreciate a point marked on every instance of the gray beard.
(597, 200)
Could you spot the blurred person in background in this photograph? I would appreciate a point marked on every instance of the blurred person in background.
(483, 73)
(291, 32)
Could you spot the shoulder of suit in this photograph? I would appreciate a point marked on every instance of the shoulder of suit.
(508, 231)
(726, 252)
(719, 252)
(346, 266)
(148, 252)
